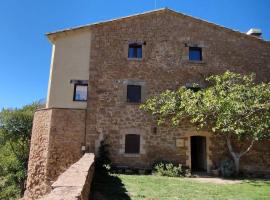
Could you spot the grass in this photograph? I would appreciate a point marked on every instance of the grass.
(141, 187)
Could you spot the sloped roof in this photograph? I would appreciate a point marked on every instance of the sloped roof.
(52, 35)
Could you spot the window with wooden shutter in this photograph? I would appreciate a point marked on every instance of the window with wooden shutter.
(135, 50)
(134, 93)
(132, 143)
(195, 53)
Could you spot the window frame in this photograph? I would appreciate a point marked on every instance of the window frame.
(74, 92)
(194, 48)
(136, 46)
(138, 148)
(140, 98)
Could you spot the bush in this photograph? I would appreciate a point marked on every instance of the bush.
(171, 170)
(103, 161)
(15, 136)
(227, 168)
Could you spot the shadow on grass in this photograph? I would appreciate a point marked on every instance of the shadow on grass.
(107, 187)
(257, 182)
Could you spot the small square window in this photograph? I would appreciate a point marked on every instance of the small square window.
(195, 53)
(80, 92)
(134, 93)
(135, 50)
(195, 88)
(132, 144)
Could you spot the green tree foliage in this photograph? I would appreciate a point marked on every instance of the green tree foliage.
(233, 105)
(15, 135)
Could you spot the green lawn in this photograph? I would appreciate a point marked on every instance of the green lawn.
(136, 187)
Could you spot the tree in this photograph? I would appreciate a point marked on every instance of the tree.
(233, 106)
(15, 135)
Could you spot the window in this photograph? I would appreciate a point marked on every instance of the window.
(155, 130)
(195, 53)
(80, 92)
(132, 144)
(194, 88)
(134, 93)
(135, 50)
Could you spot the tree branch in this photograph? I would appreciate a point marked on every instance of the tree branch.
(13, 150)
(234, 154)
(248, 149)
(229, 144)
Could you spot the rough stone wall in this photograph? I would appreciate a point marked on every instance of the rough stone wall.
(37, 182)
(257, 160)
(75, 182)
(58, 134)
(164, 65)
(66, 139)
(57, 137)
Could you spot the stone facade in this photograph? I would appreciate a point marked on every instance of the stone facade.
(59, 134)
(75, 182)
(165, 65)
(37, 182)
(57, 138)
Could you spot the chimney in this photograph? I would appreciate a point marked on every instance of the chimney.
(255, 32)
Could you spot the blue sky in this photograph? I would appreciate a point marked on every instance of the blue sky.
(25, 52)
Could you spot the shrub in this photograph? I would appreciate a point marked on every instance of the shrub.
(103, 161)
(15, 136)
(227, 168)
(171, 170)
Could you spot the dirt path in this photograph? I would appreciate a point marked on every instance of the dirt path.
(216, 180)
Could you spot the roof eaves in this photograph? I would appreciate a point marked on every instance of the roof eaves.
(51, 34)
(102, 22)
(221, 27)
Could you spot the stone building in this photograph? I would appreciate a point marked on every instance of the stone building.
(100, 73)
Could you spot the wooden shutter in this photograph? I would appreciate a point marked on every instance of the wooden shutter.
(132, 143)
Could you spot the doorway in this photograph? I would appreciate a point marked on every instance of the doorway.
(198, 153)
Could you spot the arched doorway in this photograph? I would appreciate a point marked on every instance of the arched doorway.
(198, 153)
